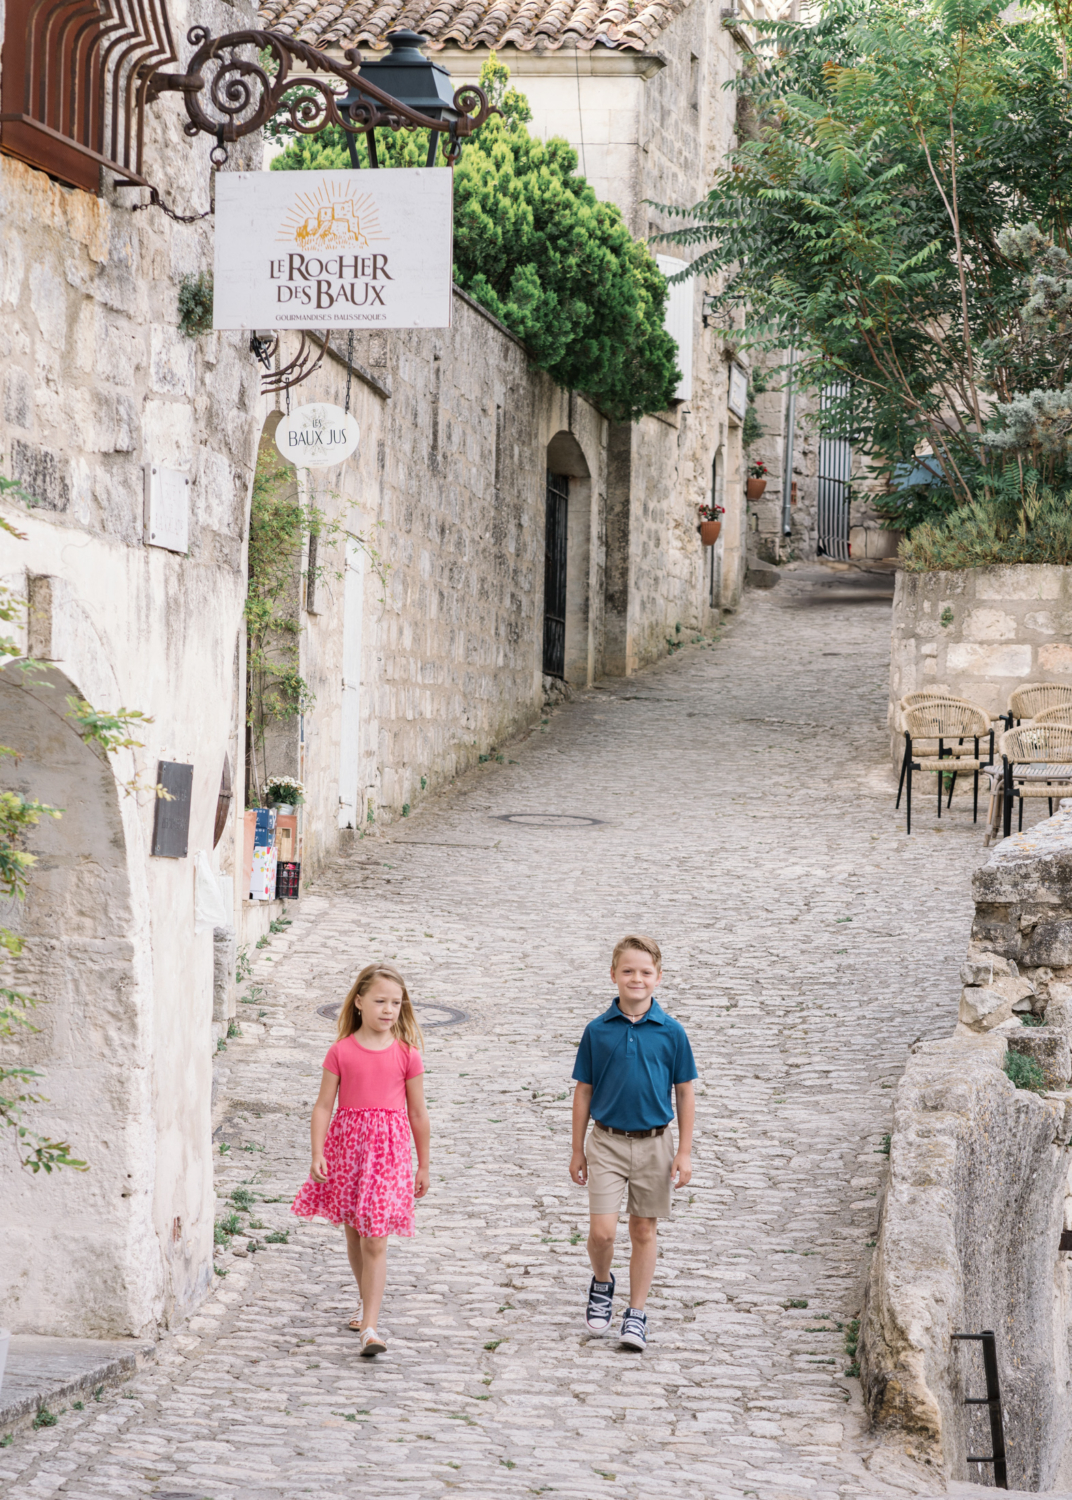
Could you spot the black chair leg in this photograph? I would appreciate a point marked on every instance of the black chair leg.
(975, 799)
(1020, 818)
(908, 801)
(952, 784)
(1007, 803)
(900, 784)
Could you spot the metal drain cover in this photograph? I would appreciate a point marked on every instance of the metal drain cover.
(547, 820)
(427, 1015)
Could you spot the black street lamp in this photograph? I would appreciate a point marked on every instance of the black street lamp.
(413, 80)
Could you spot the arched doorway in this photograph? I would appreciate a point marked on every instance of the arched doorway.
(567, 636)
(66, 1265)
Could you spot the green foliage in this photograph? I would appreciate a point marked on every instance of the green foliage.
(1003, 526)
(195, 304)
(751, 427)
(852, 1342)
(868, 223)
(242, 1199)
(534, 245)
(1024, 1072)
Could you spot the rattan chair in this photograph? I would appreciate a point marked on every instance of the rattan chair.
(933, 747)
(1060, 714)
(1034, 698)
(1036, 762)
(945, 741)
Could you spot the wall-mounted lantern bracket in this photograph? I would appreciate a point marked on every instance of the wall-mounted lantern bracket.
(228, 95)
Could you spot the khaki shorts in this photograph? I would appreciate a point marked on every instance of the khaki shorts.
(615, 1162)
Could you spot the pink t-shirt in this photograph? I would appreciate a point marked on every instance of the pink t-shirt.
(372, 1080)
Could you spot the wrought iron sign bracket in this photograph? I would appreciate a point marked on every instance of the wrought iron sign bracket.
(229, 96)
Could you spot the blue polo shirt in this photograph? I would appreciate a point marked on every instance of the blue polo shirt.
(633, 1066)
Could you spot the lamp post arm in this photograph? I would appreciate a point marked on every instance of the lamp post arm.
(229, 96)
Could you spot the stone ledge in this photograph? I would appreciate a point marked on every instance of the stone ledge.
(42, 1371)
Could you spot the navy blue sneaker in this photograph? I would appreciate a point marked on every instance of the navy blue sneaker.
(634, 1334)
(600, 1300)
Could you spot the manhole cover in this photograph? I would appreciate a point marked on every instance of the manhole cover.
(547, 820)
(427, 1015)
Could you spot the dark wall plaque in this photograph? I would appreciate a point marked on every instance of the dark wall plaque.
(171, 826)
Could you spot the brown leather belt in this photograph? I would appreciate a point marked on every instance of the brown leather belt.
(632, 1135)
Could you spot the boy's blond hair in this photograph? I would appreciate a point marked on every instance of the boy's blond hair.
(642, 945)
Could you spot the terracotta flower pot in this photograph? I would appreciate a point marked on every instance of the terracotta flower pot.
(755, 488)
(709, 532)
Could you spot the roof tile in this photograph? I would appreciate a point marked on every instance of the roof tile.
(540, 25)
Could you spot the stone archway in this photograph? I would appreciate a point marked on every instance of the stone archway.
(566, 463)
(74, 1246)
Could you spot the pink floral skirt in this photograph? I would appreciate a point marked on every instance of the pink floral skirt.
(370, 1174)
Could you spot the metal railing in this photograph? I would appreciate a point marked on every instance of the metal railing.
(992, 1400)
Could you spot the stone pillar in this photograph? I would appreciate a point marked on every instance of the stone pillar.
(224, 1002)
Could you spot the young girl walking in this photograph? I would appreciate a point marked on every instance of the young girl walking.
(361, 1171)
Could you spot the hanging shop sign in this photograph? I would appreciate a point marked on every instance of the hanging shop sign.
(351, 249)
(317, 436)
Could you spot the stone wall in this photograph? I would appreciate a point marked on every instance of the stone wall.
(979, 633)
(979, 1191)
(423, 650)
(651, 129)
(98, 385)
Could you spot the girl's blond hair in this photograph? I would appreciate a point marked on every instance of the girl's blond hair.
(405, 1028)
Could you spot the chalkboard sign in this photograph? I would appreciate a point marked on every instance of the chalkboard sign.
(171, 826)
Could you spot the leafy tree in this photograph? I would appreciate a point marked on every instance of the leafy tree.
(534, 245)
(896, 143)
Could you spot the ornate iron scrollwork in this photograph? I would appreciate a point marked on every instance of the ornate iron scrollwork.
(229, 96)
(306, 362)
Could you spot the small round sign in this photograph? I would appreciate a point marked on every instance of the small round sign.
(317, 436)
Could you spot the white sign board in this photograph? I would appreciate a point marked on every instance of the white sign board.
(317, 436)
(334, 249)
(167, 508)
(737, 400)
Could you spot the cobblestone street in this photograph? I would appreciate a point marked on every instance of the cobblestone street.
(735, 802)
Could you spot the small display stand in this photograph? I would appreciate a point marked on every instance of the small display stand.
(287, 880)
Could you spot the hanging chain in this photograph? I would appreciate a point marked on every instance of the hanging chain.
(349, 367)
(155, 201)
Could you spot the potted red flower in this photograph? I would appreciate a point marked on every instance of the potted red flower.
(757, 479)
(710, 523)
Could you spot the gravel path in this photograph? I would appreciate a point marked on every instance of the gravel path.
(736, 802)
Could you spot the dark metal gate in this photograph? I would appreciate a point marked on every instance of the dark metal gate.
(554, 577)
(835, 480)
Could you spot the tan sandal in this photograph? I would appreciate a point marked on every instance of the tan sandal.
(371, 1344)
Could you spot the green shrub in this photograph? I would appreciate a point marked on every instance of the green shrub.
(1025, 1072)
(998, 529)
(195, 304)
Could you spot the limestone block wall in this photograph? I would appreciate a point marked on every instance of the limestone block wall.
(652, 129)
(98, 383)
(423, 650)
(980, 633)
(980, 1189)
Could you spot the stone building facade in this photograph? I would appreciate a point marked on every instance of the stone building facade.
(642, 98)
(102, 393)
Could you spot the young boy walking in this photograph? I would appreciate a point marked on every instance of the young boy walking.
(630, 1059)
